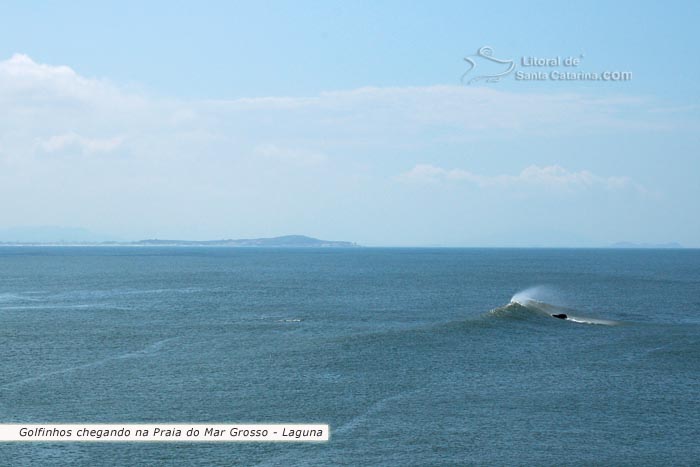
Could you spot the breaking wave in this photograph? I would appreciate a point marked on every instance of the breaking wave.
(523, 305)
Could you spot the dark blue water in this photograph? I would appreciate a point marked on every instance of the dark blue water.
(413, 356)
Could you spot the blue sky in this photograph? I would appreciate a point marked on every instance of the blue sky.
(348, 120)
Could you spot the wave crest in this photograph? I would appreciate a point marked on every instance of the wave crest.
(523, 306)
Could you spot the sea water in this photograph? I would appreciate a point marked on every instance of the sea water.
(412, 356)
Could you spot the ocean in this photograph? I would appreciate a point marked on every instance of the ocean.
(412, 356)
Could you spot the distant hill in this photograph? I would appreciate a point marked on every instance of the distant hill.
(646, 245)
(286, 241)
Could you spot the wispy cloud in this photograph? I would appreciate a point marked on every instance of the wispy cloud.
(476, 110)
(185, 162)
(552, 176)
(59, 107)
(85, 145)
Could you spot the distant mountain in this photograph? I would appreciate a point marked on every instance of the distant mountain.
(287, 241)
(646, 245)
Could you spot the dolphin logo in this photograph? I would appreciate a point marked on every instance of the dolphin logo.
(482, 58)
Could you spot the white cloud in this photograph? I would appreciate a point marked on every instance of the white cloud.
(552, 176)
(246, 162)
(58, 106)
(27, 83)
(21, 66)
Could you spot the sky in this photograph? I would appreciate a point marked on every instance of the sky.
(384, 123)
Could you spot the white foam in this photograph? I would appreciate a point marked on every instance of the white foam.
(584, 320)
(135, 354)
(537, 298)
(14, 297)
(538, 293)
(373, 409)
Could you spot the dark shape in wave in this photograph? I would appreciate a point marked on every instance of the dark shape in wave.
(527, 308)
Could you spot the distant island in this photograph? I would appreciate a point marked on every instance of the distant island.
(286, 241)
